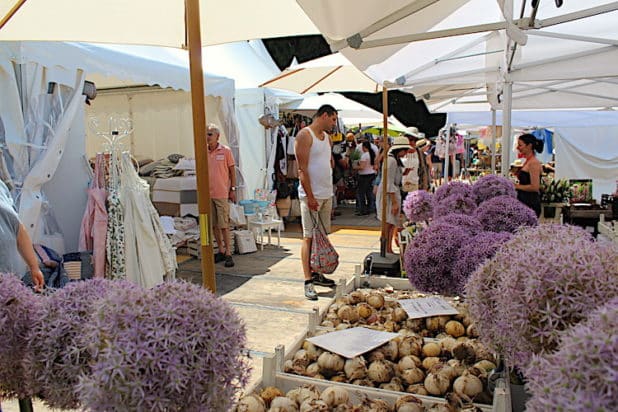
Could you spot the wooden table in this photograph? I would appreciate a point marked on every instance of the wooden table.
(586, 216)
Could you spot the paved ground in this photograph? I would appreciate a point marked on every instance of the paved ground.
(266, 287)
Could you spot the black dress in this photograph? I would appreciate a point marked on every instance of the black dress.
(530, 199)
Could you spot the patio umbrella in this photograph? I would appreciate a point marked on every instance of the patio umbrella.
(332, 73)
(162, 23)
(350, 111)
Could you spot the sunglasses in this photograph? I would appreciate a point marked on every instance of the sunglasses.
(210, 133)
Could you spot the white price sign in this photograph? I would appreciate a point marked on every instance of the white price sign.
(352, 342)
(426, 307)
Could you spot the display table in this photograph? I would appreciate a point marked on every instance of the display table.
(586, 216)
(260, 226)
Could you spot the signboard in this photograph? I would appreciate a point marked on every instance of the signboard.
(352, 342)
(426, 307)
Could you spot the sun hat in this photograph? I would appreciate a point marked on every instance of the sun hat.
(422, 143)
(518, 163)
(400, 142)
(412, 131)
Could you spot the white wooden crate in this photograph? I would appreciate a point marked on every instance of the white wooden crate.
(273, 375)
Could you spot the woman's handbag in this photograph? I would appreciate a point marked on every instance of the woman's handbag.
(324, 258)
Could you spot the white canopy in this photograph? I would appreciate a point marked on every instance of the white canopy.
(332, 73)
(111, 66)
(444, 50)
(350, 111)
(153, 22)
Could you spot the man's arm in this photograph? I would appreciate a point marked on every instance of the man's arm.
(232, 173)
(302, 146)
(24, 246)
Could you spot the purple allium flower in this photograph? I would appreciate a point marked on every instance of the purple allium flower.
(490, 186)
(455, 203)
(176, 347)
(20, 308)
(470, 223)
(418, 206)
(474, 252)
(582, 374)
(540, 283)
(504, 214)
(454, 187)
(57, 353)
(429, 258)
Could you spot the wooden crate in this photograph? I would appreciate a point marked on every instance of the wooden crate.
(273, 375)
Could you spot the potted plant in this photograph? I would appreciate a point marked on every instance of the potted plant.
(554, 193)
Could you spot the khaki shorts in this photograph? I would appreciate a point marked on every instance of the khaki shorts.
(220, 211)
(324, 209)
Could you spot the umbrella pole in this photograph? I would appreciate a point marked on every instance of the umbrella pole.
(194, 41)
(384, 234)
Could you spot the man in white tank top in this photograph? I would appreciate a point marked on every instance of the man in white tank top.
(315, 168)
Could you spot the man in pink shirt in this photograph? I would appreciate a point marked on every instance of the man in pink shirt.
(222, 177)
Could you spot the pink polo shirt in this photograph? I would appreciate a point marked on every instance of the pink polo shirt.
(219, 162)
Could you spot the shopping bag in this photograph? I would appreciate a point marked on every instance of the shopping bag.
(237, 214)
(324, 258)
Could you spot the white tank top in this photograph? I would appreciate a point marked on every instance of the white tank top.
(319, 169)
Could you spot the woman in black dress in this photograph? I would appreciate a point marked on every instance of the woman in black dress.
(528, 188)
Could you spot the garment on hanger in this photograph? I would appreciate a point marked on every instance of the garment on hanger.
(148, 252)
(116, 268)
(93, 231)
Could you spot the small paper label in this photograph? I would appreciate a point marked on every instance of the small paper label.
(352, 342)
(426, 307)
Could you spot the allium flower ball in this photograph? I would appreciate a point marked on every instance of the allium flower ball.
(504, 214)
(480, 248)
(490, 186)
(176, 347)
(452, 188)
(540, 283)
(469, 223)
(20, 308)
(455, 203)
(582, 375)
(58, 355)
(418, 206)
(429, 258)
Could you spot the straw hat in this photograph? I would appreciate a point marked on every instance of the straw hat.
(422, 143)
(518, 163)
(412, 131)
(400, 142)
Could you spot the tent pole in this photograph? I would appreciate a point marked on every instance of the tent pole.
(493, 141)
(506, 128)
(383, 233)
(447, 155)
(199, 140)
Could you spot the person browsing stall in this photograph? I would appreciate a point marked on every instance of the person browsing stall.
(315, 163)
(529, 186)
(394, 166)
(222, 176)
(17, 256)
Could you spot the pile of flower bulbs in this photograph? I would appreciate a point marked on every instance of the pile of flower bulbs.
(406, 363)
(339, 399)
(379, 310)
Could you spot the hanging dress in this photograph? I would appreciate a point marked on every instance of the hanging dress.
(149, 254)
(115, 223)
(93, 231)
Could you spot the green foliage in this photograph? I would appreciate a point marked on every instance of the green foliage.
(555, 191)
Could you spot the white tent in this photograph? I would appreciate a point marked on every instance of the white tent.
(27, 133)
